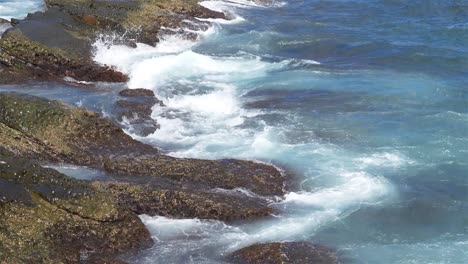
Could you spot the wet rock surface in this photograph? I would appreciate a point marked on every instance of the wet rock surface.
(282, 253)
(145, 199)
(61, 219)
(46, 217)
(59, 41)
(52, 131)
(135, 111)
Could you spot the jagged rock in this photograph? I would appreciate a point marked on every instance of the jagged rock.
(135, 111)
(50, 130)
(283, 253)
(46, 217)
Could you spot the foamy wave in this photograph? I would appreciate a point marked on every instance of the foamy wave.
(358, 188)
(204, 118)
(19, 9)
(385, 159)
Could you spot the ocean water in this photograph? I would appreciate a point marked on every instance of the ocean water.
(365, 101)
(19, 8)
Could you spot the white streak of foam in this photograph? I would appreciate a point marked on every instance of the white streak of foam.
(384, 159)
(359, 188)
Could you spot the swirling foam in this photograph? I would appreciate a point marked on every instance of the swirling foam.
(19, 9)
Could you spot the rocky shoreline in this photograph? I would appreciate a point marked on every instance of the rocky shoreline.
(47, 217)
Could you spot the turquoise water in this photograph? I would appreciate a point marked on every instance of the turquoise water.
(366, 102)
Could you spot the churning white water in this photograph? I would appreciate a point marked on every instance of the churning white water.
(19, 9)
(205, 117)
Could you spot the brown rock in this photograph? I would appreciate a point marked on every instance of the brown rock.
(145, 199)
(90, 20)
(283, 253)
(46, 217)
(139, 92)
(76, 136)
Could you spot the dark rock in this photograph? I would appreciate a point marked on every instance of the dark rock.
(14, 21)
(139, 92)
(21, 50)
(228, 174)
(135, 111)
(136, 115)
(282, 253)
(145, 199)
(52, 131)
(4, 22)
(46, 217)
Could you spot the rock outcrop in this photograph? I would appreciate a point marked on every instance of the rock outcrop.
(136, 109)
(284, 253)
(182, 203)
(52, 131)
(46, 217)
(51, 218)
(58, 42)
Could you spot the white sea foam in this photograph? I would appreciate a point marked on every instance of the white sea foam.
(384, 159)
(19, 9)
(204, 118)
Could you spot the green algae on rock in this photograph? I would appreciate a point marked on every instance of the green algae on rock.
(46, 217)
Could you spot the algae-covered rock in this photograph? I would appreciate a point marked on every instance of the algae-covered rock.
(70, 134)
(22, 51)
(139, 19)
(59, 40)
(46, 217)
(145, 199)
(228, 174)
(284, 253)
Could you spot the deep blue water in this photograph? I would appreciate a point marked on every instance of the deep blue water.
(366, 101)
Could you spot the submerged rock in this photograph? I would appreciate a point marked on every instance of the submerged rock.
(135, 111)
(52, 131)
(282, 253)
(46, 217)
